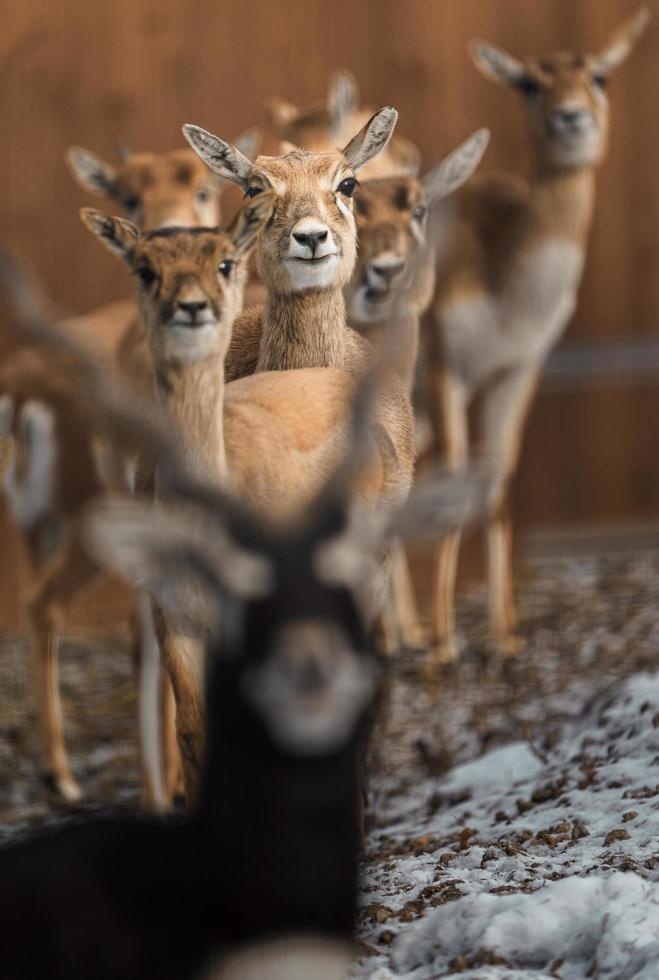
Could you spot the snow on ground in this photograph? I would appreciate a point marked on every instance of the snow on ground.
(526, 863)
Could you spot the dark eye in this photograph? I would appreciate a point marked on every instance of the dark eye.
(253, 191)
(226, 267)
(419, 213)
(203, 195)
(347, 186)
(528, 86)
(132, 203)
(601, 80)
(146, 275)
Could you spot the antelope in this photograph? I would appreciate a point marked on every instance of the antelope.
(291, 682)
(393, 215)
(323, 126)
(303, 323)
(307, 253)
(508, 287)
(154, 190)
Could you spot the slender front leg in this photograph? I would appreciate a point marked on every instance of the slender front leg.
(504, 411)
(411, 632)
(452, 401)
(146, 657)
(61, 580)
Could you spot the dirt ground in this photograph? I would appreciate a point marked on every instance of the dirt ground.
(587, 623)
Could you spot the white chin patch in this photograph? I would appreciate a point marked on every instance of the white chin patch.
(191, 343)
(313, 274)
(577, 150)
(310, 720)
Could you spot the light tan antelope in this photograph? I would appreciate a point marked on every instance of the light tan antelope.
(509, 281)
(306, 254)
(324, 125)
(154, 190)
(54, 470)
(393, 221)
(274, 437)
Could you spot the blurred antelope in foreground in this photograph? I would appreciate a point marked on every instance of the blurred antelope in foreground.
(508, 286)
(330, 123)
(401, 226)
(261, 879)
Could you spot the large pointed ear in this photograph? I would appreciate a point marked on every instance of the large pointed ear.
(222, 157)
(248, 143)
(456, 168)
(166, 549)
(623, 41)
(372, 139)
(92, 173)
(281, 114)
(251, 218)
(342, 97)
(117, 234)
(496, 64)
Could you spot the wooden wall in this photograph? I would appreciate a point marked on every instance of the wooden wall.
(131, 71)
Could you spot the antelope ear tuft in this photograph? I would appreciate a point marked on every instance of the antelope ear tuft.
(117, 234)
(372, 138)
(456, 168)
(251, 218)
(496, 64)
(623, 41)
(92, 173)
(221, 156)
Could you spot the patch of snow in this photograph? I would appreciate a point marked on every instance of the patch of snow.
(509, 864)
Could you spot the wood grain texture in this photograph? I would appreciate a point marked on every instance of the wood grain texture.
(132, 71)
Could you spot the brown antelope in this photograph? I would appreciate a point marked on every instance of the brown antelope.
(154, 190)
(273, 437)
(392, 215)
(307, 253)
(53, 471)
(508, 285)
(323, 126)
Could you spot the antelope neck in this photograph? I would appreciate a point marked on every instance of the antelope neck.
(303, 330)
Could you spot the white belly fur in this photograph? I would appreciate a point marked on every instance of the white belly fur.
(486, 333)
(31, 495)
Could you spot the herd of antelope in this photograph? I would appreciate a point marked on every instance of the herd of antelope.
(240, 448)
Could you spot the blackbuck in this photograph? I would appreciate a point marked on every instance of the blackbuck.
(260, 880)
(330, 122)
(402, 224)
(508, 283)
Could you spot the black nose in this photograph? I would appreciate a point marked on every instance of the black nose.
(569, 116)
(193, 308)
(389, 271)
(311, 238)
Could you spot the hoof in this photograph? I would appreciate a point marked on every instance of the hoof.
(508, 646)
(415, 640)
(62, 789)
